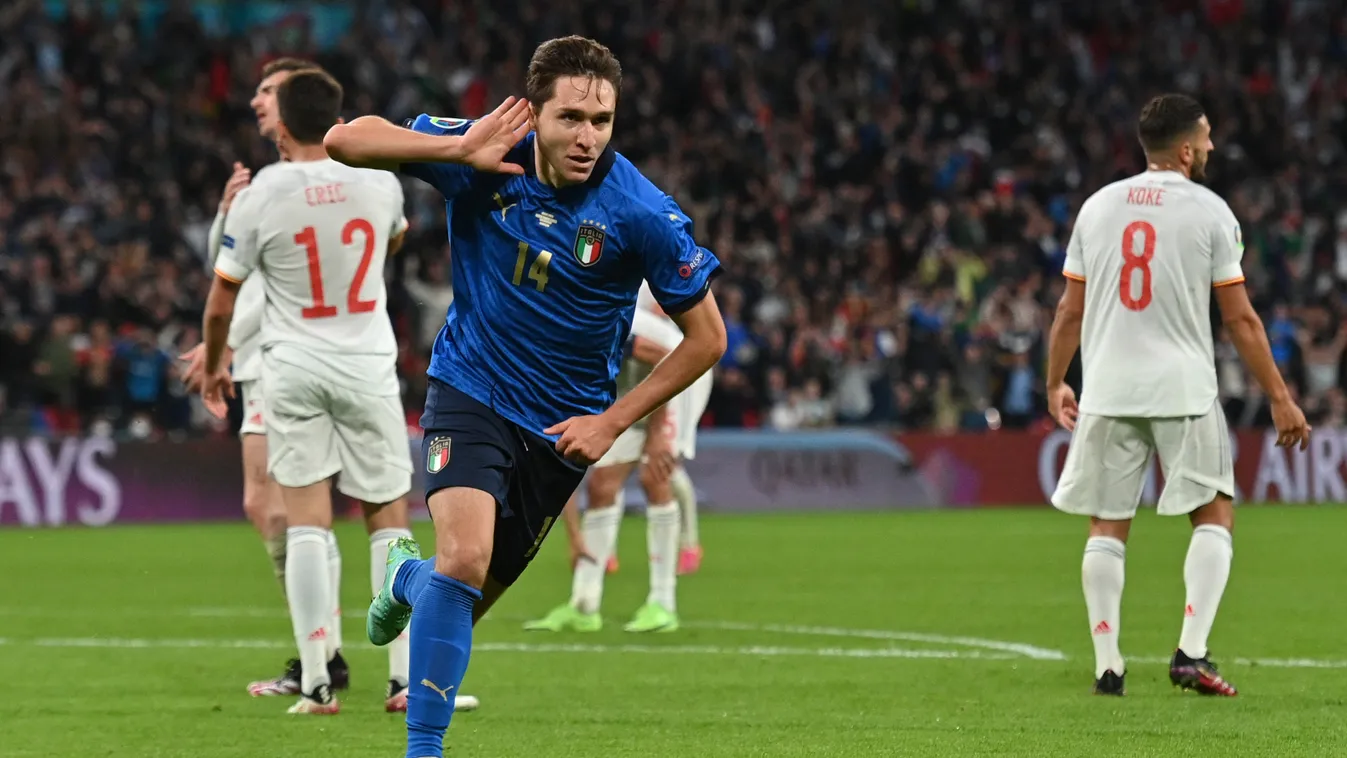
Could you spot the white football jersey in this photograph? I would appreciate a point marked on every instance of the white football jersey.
(1150, 249)
(650, 322)
(245, 337)
(657, 329)
(318, 234)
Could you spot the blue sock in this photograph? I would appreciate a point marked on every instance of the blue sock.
(441, 641)
(411, 579)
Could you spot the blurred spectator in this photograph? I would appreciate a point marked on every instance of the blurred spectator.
(889, 185)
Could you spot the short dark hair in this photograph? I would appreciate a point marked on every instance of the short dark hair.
(288, 66)
(310, 103)
(569, 56)
(1165, 119)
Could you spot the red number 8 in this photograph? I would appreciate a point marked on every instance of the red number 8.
(1133, 262)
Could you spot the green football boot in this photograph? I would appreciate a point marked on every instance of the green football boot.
(564, 618)
(387, 617)
(653, 617)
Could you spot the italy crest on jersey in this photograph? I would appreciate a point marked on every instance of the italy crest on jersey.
(589, 243)
(437, 455)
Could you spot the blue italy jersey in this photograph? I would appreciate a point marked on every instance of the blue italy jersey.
(545, 279)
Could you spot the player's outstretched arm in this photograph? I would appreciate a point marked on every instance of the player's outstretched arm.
(1250, 338)
(1063, 342)
(372, 142)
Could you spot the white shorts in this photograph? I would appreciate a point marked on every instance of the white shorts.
(630, 446)
(254, 397)
(1107, 463)
(318, 428)
(685, 411)
(688, 410)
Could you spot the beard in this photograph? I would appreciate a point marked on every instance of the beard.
(1198, 172)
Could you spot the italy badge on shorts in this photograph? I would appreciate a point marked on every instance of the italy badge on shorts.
(437, 455)
(589, 242)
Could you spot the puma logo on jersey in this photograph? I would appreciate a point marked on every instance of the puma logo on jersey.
(444, 693)
(503, 207)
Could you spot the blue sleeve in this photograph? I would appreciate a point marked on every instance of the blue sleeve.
(451, 179)
(678, 269)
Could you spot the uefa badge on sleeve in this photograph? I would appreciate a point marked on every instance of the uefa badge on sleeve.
(589, 242)
(437, 455)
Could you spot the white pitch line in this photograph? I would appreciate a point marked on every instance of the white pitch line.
(122, 643)
(1272, 663)
(1004, 646)
(1029, 651)
(763, 651)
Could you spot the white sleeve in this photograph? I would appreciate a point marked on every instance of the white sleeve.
(647, 325)
(1074, 267)
(1227, 247)
(400, 222)
(214, 236)
(239, 248)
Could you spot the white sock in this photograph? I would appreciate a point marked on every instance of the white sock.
(1205, 572)
(307, 585)
(334, 577)
(599, 527)
(686, 495)
(398, 649)
(661, 539)
(1101, 574)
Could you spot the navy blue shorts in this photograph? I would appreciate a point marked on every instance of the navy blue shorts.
(466, 444)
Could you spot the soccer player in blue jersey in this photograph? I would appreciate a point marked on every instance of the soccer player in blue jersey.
(551, 233)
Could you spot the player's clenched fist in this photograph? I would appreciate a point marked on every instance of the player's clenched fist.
(584, 439)
(1292, 429)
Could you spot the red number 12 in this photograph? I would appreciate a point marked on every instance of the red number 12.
(309, 239)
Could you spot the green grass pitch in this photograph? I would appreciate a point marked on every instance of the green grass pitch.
(956, 633)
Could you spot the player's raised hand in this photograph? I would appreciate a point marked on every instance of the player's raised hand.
(1062, 406)
(237, 181)
(493, 136)
(1292, 429)
(584, 439)
(214, 389)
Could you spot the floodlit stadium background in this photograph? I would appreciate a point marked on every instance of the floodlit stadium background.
(890, 186)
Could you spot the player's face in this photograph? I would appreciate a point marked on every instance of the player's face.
(1200, 148)
(264, 104)
(574, 126)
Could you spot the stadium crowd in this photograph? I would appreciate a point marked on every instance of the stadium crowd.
(890, 185)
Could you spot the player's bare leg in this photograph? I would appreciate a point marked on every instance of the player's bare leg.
(308, 584)
(599, 526)
(262, 502)
(660, 611)
(1205, 573)
(1102, 574)
(690, 544)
